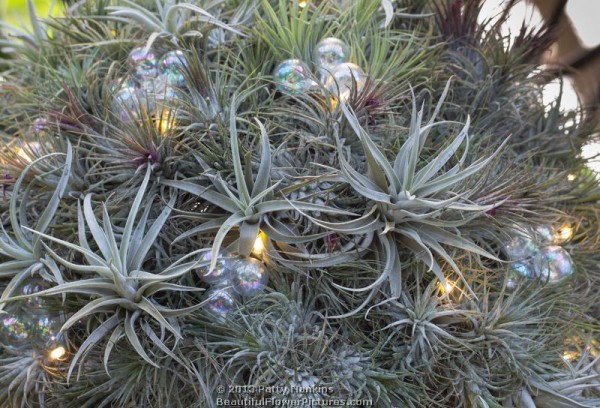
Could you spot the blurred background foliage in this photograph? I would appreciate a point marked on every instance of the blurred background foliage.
(14, 12)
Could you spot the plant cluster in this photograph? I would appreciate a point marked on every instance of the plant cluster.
(384, 217)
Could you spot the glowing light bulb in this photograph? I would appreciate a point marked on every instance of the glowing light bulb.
(334, 102)
(22, 154)
(25, 152)
(569, 355)
(259, 244)
(165, 122)
(446, 289)
(571, 177)
(57, 353)
(564, 234)
(302, 3)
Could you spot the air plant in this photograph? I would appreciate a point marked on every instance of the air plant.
(24, 251)
(174, 21)
(364, 213)
(250, 201)
(414, 207)
(115, 279)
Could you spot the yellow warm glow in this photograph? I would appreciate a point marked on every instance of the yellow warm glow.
(564, 234)
(446, 289)
(259, 244)
(302, 3)
(23, 154)
(25, 151)
(569, 355)
(166, 122)
(571, 177)
(333, 103)
(343, 96)
(57, 353)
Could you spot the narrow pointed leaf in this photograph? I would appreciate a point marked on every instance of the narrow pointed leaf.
(129, 326)
(128, 230)
(83, 251)
(264, 169)
(206, 193)
(111, 240)
(139, 256)
(235, 155)
(431, 169)
(152, 311)
(98, 334)
(50, 210)
(112, 342)
(94, 227)
(91, 307)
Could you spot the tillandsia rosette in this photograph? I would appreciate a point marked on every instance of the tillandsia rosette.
(326, 202)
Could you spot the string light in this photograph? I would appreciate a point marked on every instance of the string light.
(57, 353)
(570, 355)
(563, 234)
(573, 349)
(259, 244)
(571, 177)
(446, 289)
(302, 3)
(334, 102)
(165, 122)
(25, 151)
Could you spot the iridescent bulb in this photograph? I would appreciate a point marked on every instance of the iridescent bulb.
(219, 275)
(329, 53)
(127, 103)
(121, 83)
(157, 92)
(525, 269)
(555, 264)
(248, 277)
(147, 87)
(30, 288)
(520, 247)
(521, 270)
(544, 235)
(293, 76)
(345, 78)
(144, 62)
(172, 66)
(513, 279)
(167, 94)
(46, 333)
(15, 331)
(220, 301)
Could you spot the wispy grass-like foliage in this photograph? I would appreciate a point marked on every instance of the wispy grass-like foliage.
(384, 217)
